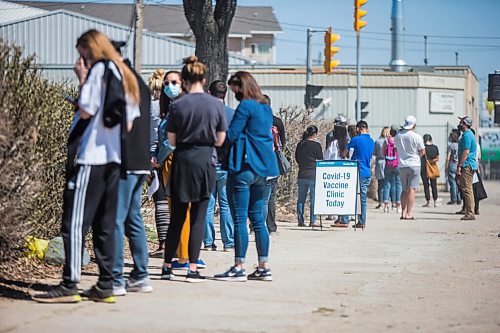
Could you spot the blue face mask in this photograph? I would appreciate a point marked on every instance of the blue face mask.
(172, 91)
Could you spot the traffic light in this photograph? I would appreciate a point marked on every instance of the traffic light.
(358, 14)
(330, 51)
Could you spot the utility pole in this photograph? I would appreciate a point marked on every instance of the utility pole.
(308, 57)
(139, 25)
(426, 60)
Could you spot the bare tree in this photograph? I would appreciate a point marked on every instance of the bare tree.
(211, 27)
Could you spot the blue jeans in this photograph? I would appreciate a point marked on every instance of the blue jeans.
(364, 182)
(305, 185)
(393, 186)
(454, 192)
(226, 221)
(248, 194)
(129, 222)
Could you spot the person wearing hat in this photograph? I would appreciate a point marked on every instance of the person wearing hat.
(410, 148)
(340, 120)
(467, 165)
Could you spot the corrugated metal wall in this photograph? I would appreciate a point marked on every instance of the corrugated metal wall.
(52, 38)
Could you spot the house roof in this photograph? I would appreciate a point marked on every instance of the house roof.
(10, 11)
(169, 19)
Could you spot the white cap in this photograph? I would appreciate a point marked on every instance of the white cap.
(410, 121)
(340, 119)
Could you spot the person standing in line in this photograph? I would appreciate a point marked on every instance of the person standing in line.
(467, 166)
(477, 177)
(410, 148)
(129, 219)
(308, 151)
(172, 90)
(218, 89)
(196, 124)
(91, 192)
(251, 162)
(431, 155)
(336, 151)
(363, 146)
(380, 167)
(162, 216)
(338, 121)
(279, 141)
(393, 189)
(451, 167)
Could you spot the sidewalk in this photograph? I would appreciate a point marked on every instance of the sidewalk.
(435, 274)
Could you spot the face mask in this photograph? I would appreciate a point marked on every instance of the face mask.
(172, 91)
(460, 127)
(239, 95)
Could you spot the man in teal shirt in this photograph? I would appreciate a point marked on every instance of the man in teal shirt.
(467, 165)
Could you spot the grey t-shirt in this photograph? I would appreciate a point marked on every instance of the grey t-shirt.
(195, 119)
(453, 150)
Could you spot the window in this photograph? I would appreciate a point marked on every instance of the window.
(260, 48)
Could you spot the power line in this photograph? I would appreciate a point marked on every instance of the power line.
(274, 24)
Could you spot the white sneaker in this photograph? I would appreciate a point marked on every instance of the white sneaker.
(119, 291)
(139, 286)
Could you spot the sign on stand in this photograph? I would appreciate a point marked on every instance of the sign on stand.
(336, 188)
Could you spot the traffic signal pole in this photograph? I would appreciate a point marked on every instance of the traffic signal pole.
(359, 13)
(358, 80)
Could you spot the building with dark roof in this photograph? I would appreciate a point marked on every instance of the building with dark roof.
(252, 32)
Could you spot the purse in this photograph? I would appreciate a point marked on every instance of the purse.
(478, 188)
(432, 169)
(283, 163)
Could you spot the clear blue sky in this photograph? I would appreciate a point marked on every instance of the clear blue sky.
(448, 18)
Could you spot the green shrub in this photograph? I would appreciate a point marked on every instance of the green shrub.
(34, 120)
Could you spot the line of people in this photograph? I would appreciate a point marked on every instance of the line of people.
(111, 150)
(402, 158)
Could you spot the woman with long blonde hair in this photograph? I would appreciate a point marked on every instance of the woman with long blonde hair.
(91, 191)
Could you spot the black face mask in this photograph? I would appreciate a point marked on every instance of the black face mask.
(461, 127)
(239, 95)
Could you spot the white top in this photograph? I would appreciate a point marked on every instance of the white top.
(332, 151)
(100, 145)
(408, 143)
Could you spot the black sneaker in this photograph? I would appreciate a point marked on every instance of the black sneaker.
(60, 294)
(262, 274)
(212, 247)
(97, 294)
(194, 277)
(166, 273)
(232, 274)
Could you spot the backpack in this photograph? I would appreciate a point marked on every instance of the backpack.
(391, 156)
(276, 138)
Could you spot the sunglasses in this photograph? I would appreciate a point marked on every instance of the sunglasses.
(174, 82)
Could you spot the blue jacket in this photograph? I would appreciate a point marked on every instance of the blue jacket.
(251, 139)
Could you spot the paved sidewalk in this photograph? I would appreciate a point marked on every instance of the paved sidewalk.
(435, 274)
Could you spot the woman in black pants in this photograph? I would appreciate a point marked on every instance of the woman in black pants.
(197, 123)
(431, 154)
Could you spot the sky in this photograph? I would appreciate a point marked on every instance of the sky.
(469, 27)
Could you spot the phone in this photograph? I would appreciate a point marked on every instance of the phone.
(69, 99)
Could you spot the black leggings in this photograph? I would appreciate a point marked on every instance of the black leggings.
(433, 184)
(178, 213)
